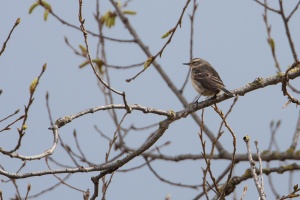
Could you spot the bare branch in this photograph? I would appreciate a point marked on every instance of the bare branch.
(8, 37)
(293, 11)
(192, 17)
(295, 67)
(287, 31)
(81, 20)
(296, 135)
(78, 28)
(234, 148)
(133, 33)
(39, 156)
(267, 7)
(167, 181)
(258, 185)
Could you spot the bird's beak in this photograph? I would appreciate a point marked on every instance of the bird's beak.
(186, 63)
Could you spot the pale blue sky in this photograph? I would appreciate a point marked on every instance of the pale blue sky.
(230, 35)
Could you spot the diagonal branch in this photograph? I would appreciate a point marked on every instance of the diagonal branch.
(11, 31)
(132, 31)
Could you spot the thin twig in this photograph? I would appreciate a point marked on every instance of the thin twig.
(287, 30)
(167, 181)
(260, 165)
(8, 37)
(78, 146)
(270, 40)
(46, 190)
(124, 67)
(234, 148)
(96, 179)
(192, 19)
(78, 28)
(23, 127)
(293, 11)
(12, 123)
(16, 112)
(259, 187)
(48, 109)
(203, 144)
(136, 167)
(61, 180)
(267, 7)
(244, 192)
(291, 99)
(274, 130)
(173, 30)
(81, 20)
(296, 135)
(28, 190)
(18, 195)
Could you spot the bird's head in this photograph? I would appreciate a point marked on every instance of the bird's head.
(196, 62)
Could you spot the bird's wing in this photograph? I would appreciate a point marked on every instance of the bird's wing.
(208, 79)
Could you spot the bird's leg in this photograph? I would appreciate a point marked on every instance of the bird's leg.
(213, 97)
(197, 98)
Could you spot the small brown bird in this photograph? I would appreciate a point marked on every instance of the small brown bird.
(205, 79)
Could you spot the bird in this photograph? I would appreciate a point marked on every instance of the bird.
(205, 79)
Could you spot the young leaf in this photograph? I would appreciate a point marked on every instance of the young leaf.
(167, 33)
(84, 64)
(46, 13)
(129, 12)
(32, 7)
(99, 64)
(83, 50)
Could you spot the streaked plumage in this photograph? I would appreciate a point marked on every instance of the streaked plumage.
(205, 79)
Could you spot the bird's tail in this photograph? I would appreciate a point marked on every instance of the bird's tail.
(226, 91)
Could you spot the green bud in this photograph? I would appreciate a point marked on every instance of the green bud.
(246, 138)
(33, 85)
(24, 127)
(167, 33)
(17, 21)
(271, 43)
(148, 62)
